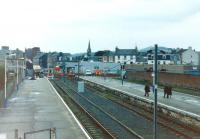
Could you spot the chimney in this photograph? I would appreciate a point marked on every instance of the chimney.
(116, 48)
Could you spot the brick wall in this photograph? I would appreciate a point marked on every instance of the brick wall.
(179, 80)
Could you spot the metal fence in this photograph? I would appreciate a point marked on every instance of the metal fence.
(41, 134)
(11, 75)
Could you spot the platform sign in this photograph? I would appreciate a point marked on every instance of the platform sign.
(81, 87)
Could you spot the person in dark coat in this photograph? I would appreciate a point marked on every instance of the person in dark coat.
(147, 90)
(167, 91)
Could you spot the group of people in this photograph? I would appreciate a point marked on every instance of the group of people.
(167, 91)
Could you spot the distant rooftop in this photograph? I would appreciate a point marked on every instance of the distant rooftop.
(161, 48)
(125, 51)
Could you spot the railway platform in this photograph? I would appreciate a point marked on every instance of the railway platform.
(36, 106)
(184, 103)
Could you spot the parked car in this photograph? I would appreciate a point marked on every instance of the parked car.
(88, 72)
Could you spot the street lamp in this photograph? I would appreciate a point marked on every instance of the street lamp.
(5, 84)
(155, 91)
(63, 69)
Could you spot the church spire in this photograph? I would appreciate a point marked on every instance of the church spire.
(89, 50)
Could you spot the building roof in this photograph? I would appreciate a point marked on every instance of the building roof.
(108, 53)
(99, 53)
(178, 51)
(125, 51)
(160, 48)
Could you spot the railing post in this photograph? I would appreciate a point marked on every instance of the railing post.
(53, 133)
(17, 75)
(50, 133)
(16, 133)
(24, 135)
(5, 83)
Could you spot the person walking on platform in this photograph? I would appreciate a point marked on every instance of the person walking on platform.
(147, 90)
(168, 91)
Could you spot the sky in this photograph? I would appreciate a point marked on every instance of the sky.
(68, 25)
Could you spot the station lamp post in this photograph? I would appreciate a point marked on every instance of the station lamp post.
(17, 74)
(78, 69)
(5, 84)
(63, 69)
(155, 82)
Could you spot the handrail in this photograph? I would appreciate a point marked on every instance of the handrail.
(51, 131)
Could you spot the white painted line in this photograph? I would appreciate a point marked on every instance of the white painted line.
(148, 100)
(77, 121)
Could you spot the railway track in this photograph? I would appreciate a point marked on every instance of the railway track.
(131, 119)
(175, 126)
(92, 126)
(112, 127)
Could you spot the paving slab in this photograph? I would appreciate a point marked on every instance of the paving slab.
(180, 101)
(36, 106)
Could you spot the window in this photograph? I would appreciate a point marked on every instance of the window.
(118, 57)
(124, 57)
(131, 57)
(96, 67)
(164, 56)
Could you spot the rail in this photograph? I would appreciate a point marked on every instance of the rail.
(114, 126)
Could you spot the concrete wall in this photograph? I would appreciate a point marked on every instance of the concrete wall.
(179, 80)
(169, 68)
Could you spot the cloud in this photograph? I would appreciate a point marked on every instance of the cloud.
(70, 23)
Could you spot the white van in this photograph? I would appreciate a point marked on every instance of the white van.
(88, 72)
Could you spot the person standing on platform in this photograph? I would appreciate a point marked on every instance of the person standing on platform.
(147, 90)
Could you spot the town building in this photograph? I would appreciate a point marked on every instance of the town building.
(190, 57)
(98, 56)
(4, 52)
(125, 56)
(36, 59)
(164, 56)
(43, 61)
(113, 68)
(30, 53)
(108, 56)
